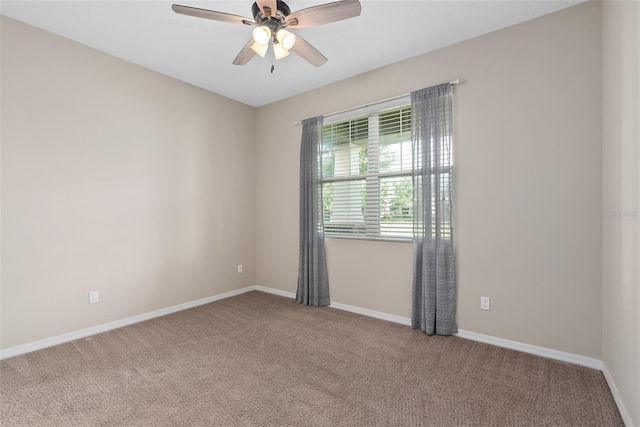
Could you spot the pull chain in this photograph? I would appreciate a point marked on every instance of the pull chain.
(273, 57)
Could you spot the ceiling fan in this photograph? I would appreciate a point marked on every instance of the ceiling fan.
(271, 18)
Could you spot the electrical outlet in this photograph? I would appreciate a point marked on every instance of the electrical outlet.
(485, 303)
(239, 268)
(93, 297)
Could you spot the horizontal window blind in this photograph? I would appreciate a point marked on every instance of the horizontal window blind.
(366, 169)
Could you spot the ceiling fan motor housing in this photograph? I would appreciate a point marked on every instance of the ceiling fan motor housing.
(283, 8)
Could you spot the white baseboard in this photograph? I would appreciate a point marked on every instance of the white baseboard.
(624, 413)
(372, 313)
(576, 359)
(273, 291)
(83, 333)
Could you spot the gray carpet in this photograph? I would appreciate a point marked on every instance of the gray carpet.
(262, 360)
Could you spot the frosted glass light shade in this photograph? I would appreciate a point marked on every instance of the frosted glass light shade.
(260, 49)
(279, 52)
(262, 35)
(286, 39)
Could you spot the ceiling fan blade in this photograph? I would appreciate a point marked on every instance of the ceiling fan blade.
(307, 52)
(245, 55)
(324, 14)
(268, 7)
(211, 14)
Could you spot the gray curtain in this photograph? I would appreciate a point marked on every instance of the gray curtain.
(313, 282)
(434, 281)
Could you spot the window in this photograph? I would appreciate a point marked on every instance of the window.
(366, 174)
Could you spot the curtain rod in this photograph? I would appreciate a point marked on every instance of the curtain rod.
(393, 98)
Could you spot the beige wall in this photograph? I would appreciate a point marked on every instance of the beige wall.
(621, 200)
(528, 176)
(115, 178)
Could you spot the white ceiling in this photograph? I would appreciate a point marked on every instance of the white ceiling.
(200, 51)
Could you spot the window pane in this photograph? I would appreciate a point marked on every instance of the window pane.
(395, 140)
(395, 120)
(344, 207)
(328, 162)
(395, 156)
(344, 148)
(396, 206)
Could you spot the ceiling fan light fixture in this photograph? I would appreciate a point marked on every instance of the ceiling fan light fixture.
(279, 52)
(286, 39)
(260, 49)
(262, 35)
